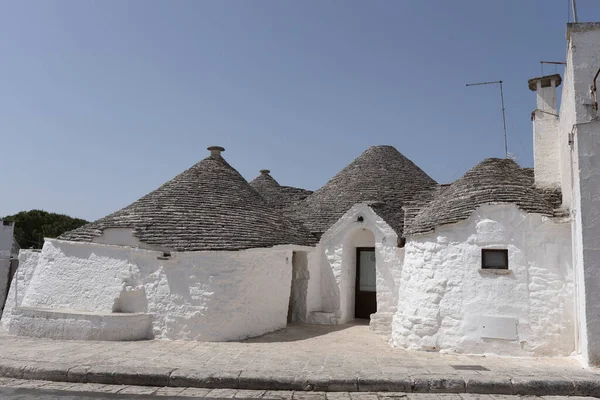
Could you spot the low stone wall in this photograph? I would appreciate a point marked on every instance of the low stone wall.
(203, 295)
(79, 325)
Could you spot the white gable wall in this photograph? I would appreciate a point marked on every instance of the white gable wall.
(208, 296)
(444, 294)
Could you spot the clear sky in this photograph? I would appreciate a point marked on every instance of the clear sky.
(103, 101)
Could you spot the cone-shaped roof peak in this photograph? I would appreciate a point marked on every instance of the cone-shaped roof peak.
(264, 181)
(493, 181)
(210, 206)
(380, 173)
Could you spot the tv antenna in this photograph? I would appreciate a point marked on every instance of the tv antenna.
(574, 4)
(555, 63)
(503, 115)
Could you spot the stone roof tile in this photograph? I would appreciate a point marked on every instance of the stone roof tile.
(210, 206)
(492, 181)
(280, 197)
(380, 174)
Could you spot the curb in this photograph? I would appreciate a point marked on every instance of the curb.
(184, 377)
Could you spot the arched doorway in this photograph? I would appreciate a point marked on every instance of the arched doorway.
(365, 301)
(360, 267)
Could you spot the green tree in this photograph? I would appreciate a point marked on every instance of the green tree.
(31, 227)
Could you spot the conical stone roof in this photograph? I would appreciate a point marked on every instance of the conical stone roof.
(280, 197)
(493, 181)
(380, 174)
(264, 182)
(207, 207)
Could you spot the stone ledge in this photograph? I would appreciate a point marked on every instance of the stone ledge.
(79, 325)
(489, 271)
(279, 380)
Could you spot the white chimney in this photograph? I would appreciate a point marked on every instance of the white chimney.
(545, 132)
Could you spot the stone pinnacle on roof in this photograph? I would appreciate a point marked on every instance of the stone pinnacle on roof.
(264, 181)
(493, 181)
(210, 206)
(381, 174)
(215, 150)
(278, 196)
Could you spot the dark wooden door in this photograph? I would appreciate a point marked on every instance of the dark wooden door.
(366, 296)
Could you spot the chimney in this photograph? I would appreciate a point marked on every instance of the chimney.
(545, 132)
(215, 150)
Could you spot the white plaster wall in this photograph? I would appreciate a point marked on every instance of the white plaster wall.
(27, 263)
(546, 97)
(586, 235)
(565, 126)
(338, 269)
(579, 165)
(444, 293)
(314, 301)
(208, 296)
(582, 62)
(545, 138)
(546, 151)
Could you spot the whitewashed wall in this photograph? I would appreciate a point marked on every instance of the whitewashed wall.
(580, 166)
(586, 238)
(338, 266)
(314, 301)
(208, 296)
(27, 263)
(444, 293)
(546, 155)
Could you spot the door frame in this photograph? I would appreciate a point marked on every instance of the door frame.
(357, 280)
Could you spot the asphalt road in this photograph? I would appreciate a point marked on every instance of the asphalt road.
(41, 394)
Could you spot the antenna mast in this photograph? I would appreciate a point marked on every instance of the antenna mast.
(574, 4)
(503, 114)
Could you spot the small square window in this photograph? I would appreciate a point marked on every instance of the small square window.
(494, 259)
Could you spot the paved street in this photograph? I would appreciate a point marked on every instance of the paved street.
(318, 358)
(16, 389)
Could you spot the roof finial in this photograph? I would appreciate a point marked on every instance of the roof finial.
(215, 150)
(265, 171)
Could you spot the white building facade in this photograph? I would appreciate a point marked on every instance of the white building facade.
(505, 260)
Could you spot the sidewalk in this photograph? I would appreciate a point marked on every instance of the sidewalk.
(345, 358)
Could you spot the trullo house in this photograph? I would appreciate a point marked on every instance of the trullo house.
(504, 260)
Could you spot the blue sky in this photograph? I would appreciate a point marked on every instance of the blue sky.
(103, 101)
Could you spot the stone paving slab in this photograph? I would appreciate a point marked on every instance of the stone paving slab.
(144, 392)
(347, 358)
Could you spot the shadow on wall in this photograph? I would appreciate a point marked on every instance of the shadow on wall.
(297, 332)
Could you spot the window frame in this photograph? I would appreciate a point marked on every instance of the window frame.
(503, 251)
